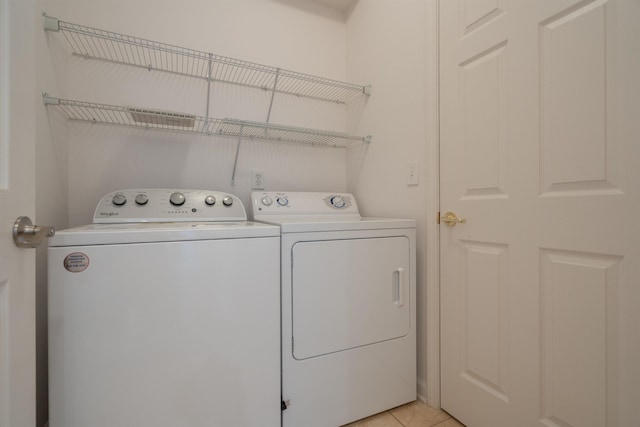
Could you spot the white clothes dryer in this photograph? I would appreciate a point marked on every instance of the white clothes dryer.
(165, 312)
(348, 308)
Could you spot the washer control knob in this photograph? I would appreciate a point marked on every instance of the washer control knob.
(210, 200)
(119, 199)
(338, 202)
(177, 199)
(227, 200)
(282, 200)
(267, 201)
(142, 199)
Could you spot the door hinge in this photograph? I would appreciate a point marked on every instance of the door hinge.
(438, 218)
(284, 404)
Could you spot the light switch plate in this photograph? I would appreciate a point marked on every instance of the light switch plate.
(257, 180)
(413, 173)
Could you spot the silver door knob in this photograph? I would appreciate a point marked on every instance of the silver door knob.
(27, 235)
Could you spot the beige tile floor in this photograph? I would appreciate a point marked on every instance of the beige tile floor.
(414, 414)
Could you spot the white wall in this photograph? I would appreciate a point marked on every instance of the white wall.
(391, 44)
(300, 36)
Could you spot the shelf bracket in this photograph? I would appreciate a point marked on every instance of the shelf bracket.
(50, 23)
(209, 82)
(48, 100)
(235, 162)
(273, 93)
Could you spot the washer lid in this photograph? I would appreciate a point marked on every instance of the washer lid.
(107, 234)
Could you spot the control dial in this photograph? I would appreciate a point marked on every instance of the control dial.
(267, 201)
(142, 199)
(177, 199)
(119, 199)
(282, 200)
(210, 200)
(338, 201)
(227, 200)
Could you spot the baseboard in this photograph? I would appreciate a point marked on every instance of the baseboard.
(422, 390)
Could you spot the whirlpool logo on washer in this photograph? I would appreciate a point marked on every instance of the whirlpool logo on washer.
(76, 262)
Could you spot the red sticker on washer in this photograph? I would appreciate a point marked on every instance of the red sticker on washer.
(76, 262)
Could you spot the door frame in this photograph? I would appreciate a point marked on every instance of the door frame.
(431, 297)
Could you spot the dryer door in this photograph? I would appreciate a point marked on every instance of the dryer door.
(349, 293)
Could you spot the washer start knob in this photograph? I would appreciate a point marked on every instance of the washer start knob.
(210, 200)
(227, 200)
(338, 201)
(142, 199)
(119, 199)
(177, 199)
(282, 201)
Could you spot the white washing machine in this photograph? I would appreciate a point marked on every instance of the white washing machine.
(348, 308)
(165, 312)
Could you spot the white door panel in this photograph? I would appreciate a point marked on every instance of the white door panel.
(17, 198)
(539, 111)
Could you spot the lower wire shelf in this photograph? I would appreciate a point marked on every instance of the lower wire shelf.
(180, 122)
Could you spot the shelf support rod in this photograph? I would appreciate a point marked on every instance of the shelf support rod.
(209, 82)
(235, 162)
(273, 93)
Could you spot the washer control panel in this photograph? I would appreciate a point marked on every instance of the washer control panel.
(168, 205)
(271, 204)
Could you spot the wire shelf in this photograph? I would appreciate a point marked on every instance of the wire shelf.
(113, 47)
(172, 121)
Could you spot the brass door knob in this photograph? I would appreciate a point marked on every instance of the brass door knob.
(451, 219)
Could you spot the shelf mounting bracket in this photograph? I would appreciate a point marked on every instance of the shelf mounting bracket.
(235, 162)
(50, 23)
(209, 81)
(273, 93)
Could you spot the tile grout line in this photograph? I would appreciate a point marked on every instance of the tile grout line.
(443, 421)
(394, 417)
(431, 425)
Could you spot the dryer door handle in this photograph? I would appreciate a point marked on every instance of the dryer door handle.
(397, 287)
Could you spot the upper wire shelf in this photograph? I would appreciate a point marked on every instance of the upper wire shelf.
(113, 47)
(163, 120)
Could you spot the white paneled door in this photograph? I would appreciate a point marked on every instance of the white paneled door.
(17, 197)
(540, 153)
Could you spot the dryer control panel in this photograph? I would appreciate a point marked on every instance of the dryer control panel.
(168, 205)
(291, 205)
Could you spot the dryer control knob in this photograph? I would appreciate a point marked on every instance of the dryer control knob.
(227, 200)
(338, 201)
(177, 199)
(119, 199)
(142, 199)
(282, 201)
(210, 200)
(267, 201)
